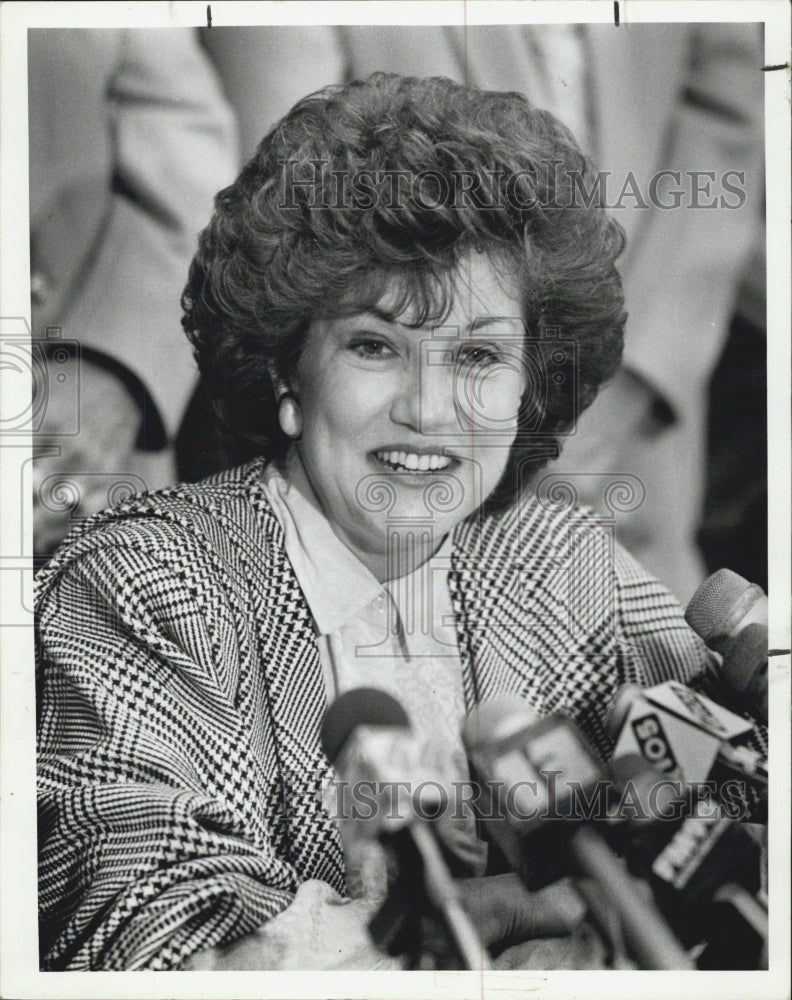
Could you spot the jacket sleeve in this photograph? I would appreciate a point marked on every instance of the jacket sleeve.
(681, 278)
(651, 624)
(267, 70)
(158, 816)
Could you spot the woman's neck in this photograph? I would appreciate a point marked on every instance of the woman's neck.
(407, 550)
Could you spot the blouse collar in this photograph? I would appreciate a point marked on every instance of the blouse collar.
(335, 583)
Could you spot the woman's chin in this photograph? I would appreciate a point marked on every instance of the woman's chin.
(418, 493)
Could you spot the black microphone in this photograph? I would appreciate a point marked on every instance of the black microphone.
(703, 869)
(740, 938)
(535, 776)
(730, 615)
(366, 735)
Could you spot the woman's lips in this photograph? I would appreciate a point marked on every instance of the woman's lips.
(412, 461)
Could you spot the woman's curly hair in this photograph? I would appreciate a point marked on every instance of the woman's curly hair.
(389, 182)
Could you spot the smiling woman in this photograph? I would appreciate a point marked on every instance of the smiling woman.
(404, 404)
(404, 358)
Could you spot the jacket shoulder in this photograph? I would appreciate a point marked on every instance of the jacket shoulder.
(535, 529)
(219, 520)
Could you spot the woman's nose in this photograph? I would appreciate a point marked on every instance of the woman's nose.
(425, 399)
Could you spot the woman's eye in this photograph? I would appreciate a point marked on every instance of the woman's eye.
(369, 348)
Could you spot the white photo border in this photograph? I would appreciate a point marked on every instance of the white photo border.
(19, 975)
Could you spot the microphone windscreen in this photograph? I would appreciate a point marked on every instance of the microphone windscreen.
(715, 602)
(497, 719)
(358, 707)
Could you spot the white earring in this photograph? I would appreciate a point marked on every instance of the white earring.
(289, 416)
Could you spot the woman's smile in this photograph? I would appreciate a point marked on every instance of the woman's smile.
(403, 458)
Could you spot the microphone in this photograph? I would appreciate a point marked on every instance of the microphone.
(722, 606)
(366, 735)
(519, 762)
(730, 615)
(687, 736)
(703, 869)
(740, 940)
(510, 786)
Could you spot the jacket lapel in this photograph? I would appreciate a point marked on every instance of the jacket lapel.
(296, 700)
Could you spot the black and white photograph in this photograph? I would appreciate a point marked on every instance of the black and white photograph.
(395, 456)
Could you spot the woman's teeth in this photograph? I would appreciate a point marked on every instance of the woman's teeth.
(412, 462)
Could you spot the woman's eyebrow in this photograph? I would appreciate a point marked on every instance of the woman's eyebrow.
(478, 323)
(379, 313)
(483, 321)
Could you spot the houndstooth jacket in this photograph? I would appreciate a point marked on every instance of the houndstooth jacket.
(181, 698)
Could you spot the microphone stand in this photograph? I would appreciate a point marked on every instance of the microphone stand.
(651, 939)
(424, 892)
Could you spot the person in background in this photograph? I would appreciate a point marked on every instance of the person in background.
(130, 137)
(641, 99)
(734, 527)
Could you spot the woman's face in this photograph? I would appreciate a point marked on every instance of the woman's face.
(406, 431)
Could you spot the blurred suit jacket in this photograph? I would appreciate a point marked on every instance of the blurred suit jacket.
(684, 97)
(130, 138)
